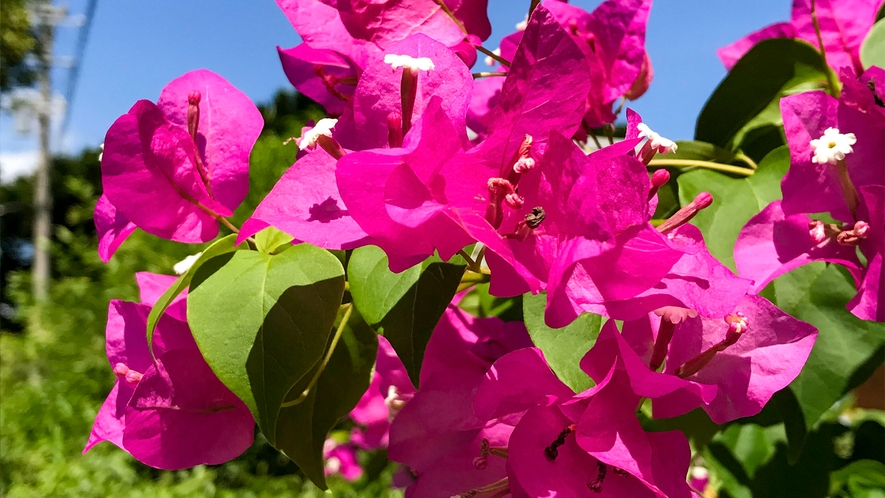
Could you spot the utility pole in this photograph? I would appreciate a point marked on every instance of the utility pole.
(46, 17)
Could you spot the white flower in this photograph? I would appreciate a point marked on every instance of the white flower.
(407, 61)
(323, 127)
(661, 144)
(489, 60)
(521, 25)
(185, 264)
(832, 147)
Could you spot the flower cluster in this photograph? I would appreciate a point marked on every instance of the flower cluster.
(421, 158)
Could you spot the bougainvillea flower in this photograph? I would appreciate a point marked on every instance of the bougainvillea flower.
(341, 39)
(174, 167)
(388, 392)
(341, 459)
(837, 165)
(380, 91)
(436, 434)
(112, 228)
(594, 248)
(166, 412)
(367, 178)
(573, 441)
(544, 91)
(843, 26)
(575, 472)
(152, 285)
(696, 280)
(771, 244)
(326, 76)
(487, 91)
(612, 38)
(305, 204)
(730, 366)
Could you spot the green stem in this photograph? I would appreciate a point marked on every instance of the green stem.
(487, 74)
(833, 84)
(316, 377)
(493, 55)
(451, 15)
(740, 156)
(725, 168)
(470, 262)
(473, 277)
(595, 140)
(228, 224)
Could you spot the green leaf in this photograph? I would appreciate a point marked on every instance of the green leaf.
(270, 240)
(302, 428)
(747, 99)
(701, 151)
(861, 478)
(563, 348)
(221, 246)
(847, 349)
(404, 307)
(735, 200)
(262, 322)
(480, 303)
(872, 50)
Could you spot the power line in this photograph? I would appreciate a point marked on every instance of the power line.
(78, 61)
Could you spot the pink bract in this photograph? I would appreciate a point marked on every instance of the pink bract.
(171, 168)
(843, 26)
(166, 412)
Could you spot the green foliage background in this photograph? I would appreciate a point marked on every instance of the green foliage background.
(54, 373)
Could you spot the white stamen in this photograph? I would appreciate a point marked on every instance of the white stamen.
(407, 61)
(661, 144)
(185, 264)
(699, 473)
(832, 147)
(490, 61)
(323, 128)
(101, 154)
(394, 402)
(333, 465)
(521, 25)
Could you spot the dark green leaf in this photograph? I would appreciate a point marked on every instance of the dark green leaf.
(302, 428)
(563, 348)
(735, 200)
(872, 50)
(221, 246)
(262, 322)
(404, 307)
(747, 99)
(847, 349)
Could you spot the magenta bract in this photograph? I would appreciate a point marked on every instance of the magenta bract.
(173, 167)
(167, 412)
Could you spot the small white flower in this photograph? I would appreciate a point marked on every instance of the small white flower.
(490, 61)
(407, 61)
(832, 147)
(661, 144)
(323, 127)
(521, 25)
(185, 264)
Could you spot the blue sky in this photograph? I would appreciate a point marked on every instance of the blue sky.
(136, 48)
